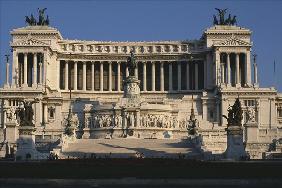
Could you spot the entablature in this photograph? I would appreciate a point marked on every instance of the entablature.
(83, 57)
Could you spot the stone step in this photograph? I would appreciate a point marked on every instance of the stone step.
(129, 147)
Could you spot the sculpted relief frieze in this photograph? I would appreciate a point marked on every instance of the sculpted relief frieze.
(232, 42)
(124, 58)
(31, 42)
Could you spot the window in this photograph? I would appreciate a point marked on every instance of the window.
(51, 112)
(279, 112)
(249, 102)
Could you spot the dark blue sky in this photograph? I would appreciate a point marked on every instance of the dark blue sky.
(150, 21)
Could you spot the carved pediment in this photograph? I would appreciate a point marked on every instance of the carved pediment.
(30, 42)
(232, 42)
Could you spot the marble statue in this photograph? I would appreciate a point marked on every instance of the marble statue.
(251, 114)
(11, 114)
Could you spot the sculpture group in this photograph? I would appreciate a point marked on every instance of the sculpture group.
(235, 114)
(221, 20)
(41, 18)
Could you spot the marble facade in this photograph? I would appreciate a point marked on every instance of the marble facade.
(174, 76)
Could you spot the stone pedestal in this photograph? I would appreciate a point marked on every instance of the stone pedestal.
(131, 106)
(26, 143)
(235, 147)
(11, 132)
(251, 132)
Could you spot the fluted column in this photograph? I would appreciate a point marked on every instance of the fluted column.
(187, 76)
(217, 63)
(110, 76)
(75, 76)
(179, 76)
(144, 77)
(84, 76)
(40, 73)
(7, 74)
(248, 74)
(93, 76)
(15, 70)
(45, 112)
(153, 76)
(228, 70)
(67, 75)
(25, 69)
(196, 76)
(170, 76)
(222, 73)
(237, 71)
(34, 83)
(162, 76)
(118, 75)
(101, 76)
(255, 74)
(136, 71)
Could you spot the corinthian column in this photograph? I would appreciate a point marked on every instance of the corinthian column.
(84, 76)
(153, 76)
(217, 62)
(34, 70)
(170, 76)
(101, 76)
(144, 76)
(162, 76)
(228, 70)
(136, 71)
(110, 76)
(25, 70)
(118, 75)
(196, 76)
(7, 74)
(188, 76)
(14, 69)
(75, 76)
(179, 76)
(66, 75)
(237, 71)
(248, 78)
(40, 73)
(93, 75)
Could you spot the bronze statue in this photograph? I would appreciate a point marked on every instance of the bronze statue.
(41, 20)
(26, 112)
(131, 64)
(221, 14)
(222, 20)
(235, 114)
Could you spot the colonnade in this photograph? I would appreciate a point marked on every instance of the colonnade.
(154, 75)
(233, 69)
(27, 69)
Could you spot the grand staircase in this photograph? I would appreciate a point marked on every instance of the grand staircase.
(130, 147)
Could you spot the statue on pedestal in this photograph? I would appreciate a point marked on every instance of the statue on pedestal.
(131, 64)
